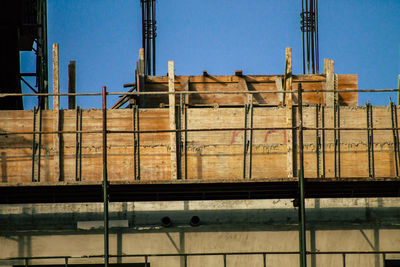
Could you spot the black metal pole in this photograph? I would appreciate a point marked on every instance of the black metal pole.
(105, 181)
(312, 20)
(148, 37)
(302, 35)
(302, 218)
(153, 19)
(316, 37)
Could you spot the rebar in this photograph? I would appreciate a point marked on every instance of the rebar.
(309, 29)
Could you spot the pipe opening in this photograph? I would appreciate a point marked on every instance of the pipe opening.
(166, 221)
(195, 221)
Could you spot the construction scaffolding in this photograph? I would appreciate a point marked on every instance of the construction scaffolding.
(205, 138)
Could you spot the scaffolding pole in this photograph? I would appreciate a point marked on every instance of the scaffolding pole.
(302, 212)
(105, 181)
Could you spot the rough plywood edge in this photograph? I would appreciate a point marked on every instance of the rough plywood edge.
(56, 112)
(172, 123)
(330, 82)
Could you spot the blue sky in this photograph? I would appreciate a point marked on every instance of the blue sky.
(221, 36)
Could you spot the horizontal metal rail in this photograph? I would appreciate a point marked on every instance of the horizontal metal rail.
(205, 130)
(206, 254)
(204, 92)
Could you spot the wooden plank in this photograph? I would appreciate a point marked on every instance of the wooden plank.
(141, 85)
(72, 84)
(290, 122)
(288, 79)
(56, 79)
(234, 79)
(172, 123)
(56, 109)
(211, 155)
(329, 70)
(254, 83)
(279, 87)
(398, 93)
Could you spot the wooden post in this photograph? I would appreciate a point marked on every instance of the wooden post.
(72, 84)
(140, 78)
(56, 79)
(398, 92)
(329, 70)
(279, 88)
(56, 111)
(288, 75)
(172, 124)
(288, 100)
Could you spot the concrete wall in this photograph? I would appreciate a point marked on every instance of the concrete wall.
(226, 226)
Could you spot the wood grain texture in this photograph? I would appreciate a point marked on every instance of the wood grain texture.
(172, 116)
(56, 109)
(210, 155)
(212, 83)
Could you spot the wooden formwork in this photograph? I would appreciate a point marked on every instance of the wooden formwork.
(210, 154)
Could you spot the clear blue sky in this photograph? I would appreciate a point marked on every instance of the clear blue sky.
(104, 36)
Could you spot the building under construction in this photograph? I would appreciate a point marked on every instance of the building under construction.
(239, 170)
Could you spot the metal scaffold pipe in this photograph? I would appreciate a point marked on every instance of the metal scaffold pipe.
(105, 179)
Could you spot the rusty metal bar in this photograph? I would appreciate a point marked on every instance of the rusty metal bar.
(245, 141)
(134, 141)
(179, 145)
(40, 143)
(186, 138)
(323, 140)
(34, 144)
(36, 147)
(384, 259)
(251, 140)
(317, 139)
(335, 139)
(371, 161)
(203, 92)
(395, 137)
(138, 141)
(372, 142)
(397, 131)
(105, 179)
(78, 145)
(344, 259)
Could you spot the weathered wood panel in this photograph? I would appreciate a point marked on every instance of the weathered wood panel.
(211, 83)
(210, 154)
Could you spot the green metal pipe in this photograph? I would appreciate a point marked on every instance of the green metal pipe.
(105, 181)
(302, 218)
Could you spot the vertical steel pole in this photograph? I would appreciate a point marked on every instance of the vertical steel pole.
(317, 138)
(323, 139)
(153, 17)
(302, 219)
(105, 182)
(395, 138)
(251, 141)
(245, 141)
